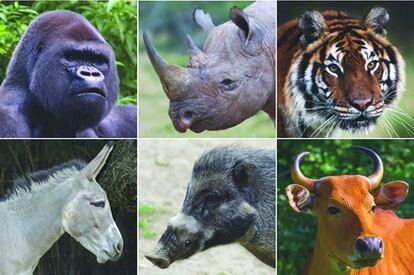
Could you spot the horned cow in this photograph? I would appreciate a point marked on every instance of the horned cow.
(357, 232)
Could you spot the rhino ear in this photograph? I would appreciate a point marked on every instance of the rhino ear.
(244, 173)
(203, 20)
(377, 19)
(312, 25)
(238, 17)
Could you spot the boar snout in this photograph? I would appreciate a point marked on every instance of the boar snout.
(158, 260)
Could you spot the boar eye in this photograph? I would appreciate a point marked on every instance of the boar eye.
(187, 243)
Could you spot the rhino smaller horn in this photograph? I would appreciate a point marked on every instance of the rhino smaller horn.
(197, 57)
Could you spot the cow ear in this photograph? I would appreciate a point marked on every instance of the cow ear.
(312, 25)
(244, 173)
(203, 20)
(391, 194)
(299, 198)
(377, 19)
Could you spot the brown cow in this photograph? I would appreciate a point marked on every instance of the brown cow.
(357, 232)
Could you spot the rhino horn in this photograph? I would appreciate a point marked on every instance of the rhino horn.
(174, 79)
(197, 57)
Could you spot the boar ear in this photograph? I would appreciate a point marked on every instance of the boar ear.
(312, 25)
(299, 198)
(391, 194)
(203, 20)
(244, 173)
(377, 19)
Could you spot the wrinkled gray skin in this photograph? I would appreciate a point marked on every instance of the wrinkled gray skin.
(231, 79)
(230, 198)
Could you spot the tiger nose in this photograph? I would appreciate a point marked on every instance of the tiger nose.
(361, 103)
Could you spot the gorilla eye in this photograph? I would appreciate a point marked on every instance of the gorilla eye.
(332, 210)
(72, 56)
(100, 204)
(373, 209)
(187, 243)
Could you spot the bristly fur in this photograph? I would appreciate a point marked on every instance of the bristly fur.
(26, 184)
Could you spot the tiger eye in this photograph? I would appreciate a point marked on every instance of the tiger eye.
(371, 65)
(333, 68)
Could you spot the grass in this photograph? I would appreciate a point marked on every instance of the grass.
(154, 119)
(146, 213)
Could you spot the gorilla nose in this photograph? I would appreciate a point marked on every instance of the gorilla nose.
(361, 103)
(369, 247)
(90, 74)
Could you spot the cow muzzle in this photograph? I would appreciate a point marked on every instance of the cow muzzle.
(369, 250)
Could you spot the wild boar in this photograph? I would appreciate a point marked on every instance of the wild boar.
(230, 198)
(229, 81)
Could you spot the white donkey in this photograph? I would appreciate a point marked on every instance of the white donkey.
(44, 205)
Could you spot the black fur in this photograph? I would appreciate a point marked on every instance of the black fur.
(62, 82)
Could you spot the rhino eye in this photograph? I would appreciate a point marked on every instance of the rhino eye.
(227, 84)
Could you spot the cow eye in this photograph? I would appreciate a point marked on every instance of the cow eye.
(98, 204)
(332, 210)
(373, 208)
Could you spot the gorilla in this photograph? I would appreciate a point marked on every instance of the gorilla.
(62, 82)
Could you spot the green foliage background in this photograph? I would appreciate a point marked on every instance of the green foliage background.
(399, 32)
(116, 20)
(296, 232)
(168, 33)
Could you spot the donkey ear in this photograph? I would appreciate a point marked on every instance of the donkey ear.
(312, 25)
(244, 173)
(299, 198)
(377, 19)
(203, 20)
(391, 194)
(94, 167)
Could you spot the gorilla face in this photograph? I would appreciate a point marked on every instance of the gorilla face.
(74, 77)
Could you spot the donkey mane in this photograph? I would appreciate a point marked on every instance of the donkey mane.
(26, 184)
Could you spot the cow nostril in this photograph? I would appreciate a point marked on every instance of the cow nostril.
(361, 246)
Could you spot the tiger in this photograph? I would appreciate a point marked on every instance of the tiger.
(335, 72)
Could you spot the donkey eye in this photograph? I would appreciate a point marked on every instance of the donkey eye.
(98, 204)
(332, 210)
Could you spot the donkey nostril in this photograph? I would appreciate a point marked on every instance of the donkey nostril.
(119, 247)
(361, 246)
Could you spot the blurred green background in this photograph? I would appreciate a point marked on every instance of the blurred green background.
(116, 20)
(168, 23)
(296, 232)
(400, 33)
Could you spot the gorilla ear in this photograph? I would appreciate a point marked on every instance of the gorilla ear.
(312, 25)
(203, 20)
(377, 19)
(244, 173)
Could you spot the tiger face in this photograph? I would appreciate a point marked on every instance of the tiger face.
(346, 74)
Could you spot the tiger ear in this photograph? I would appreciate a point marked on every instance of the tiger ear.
(312, 25)
(377, 19)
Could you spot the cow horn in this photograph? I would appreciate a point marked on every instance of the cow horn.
(173, 79)
(297, 175)
(197, 57)
(378, 170)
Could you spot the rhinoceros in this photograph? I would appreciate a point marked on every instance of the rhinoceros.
(229, 81)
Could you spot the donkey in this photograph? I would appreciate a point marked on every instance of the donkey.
(44, 205)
